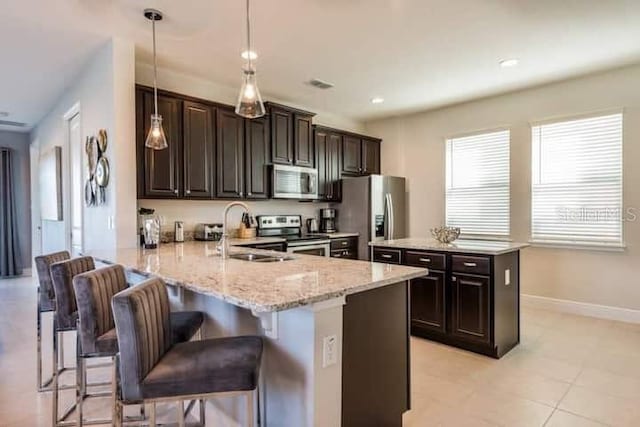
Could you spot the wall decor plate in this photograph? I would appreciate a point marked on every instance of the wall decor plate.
(102, 141)
(92, 149)
(102, 172)
(88, 194)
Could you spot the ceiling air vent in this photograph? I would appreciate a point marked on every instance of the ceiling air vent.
(320, 84)
(10, 123)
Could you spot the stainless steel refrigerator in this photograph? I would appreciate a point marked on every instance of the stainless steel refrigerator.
(373, 206)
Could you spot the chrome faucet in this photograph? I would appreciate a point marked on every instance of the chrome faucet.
(224, 240)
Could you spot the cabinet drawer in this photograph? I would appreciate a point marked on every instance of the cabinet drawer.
(345, 253)
(426, 259)
(471, 264)
(344, 243)
(389, 256)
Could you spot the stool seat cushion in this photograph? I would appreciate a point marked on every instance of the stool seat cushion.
(184, 324)
(206, 366)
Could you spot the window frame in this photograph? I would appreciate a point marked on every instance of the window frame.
(577, 244)
(489, 237)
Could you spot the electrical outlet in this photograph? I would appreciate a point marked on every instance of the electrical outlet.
(507, 277)
(329, 350)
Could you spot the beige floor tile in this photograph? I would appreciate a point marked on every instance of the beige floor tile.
(601, 407)
(505, 409)
(565, 419)
(609, 383)
(622, 363)
(544, 365)
(429, 388)
(540, 317)
(442, 415)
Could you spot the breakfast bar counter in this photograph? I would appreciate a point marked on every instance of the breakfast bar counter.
(336, 331)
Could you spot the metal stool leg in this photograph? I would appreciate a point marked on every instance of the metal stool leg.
(39, 345)
(202, 413)
(152, 416)
(117, 405)
(250, 409)
(180, 413)
(54, 385)
(80, 388)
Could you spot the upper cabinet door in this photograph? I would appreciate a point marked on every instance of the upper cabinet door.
(282, 136)
(334, 144)
(198, 150)
(160, 169)
(229, 154)
(351, 155)
(257, 156)
(370, 156)
(321, 139)
(303, 137)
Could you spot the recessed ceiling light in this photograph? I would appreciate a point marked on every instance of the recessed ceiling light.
(377, 100)
(3, 114)
(246, 54)
(508, 63)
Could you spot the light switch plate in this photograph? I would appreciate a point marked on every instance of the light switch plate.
(329, 350)
(507, 277)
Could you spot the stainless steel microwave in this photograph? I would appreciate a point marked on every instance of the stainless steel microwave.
(294, 182)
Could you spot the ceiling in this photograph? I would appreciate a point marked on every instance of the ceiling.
(416, 54)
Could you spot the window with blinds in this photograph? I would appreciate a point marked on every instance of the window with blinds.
(477, 184)
(577, 181)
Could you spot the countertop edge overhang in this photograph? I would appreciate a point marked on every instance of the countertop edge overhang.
(480, 247)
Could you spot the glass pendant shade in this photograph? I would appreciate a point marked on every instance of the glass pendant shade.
(250, 103)
(156, 138)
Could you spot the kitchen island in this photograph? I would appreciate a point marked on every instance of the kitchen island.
(471, 296)
(336, 331)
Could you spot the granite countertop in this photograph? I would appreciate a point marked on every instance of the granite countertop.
(486, 247)
(260, 287)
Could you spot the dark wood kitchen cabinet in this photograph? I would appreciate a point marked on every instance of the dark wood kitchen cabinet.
(257, 151)
(360, 155)
(159, 171)
(229, 154)
(291, 136)
(198, 152)
(471, 301)
(327, 146)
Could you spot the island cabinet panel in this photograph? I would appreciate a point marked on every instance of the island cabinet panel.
(428, 301)
(375, 357)
(199, 149)
(257, 158)
(467, 300)
(470, 308)
(229, 154)
(159, 171)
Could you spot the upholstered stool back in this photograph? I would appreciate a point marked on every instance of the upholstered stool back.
(62, 274)
(94, 291)
(143, 325)
(43, 266)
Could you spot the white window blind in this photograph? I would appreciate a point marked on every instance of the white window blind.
(477, 193)
(577, 181)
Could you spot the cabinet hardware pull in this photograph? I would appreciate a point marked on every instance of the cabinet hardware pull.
(453, 278)
(386, 256)
(345, 243)
(188, 191)
(425, 259)
(470, 264)
(175, 191)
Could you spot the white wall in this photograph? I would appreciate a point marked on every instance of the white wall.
(104, 91)
(414, 147)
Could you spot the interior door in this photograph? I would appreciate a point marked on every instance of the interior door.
(77, 183)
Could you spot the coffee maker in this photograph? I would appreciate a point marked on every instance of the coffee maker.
(328, 220)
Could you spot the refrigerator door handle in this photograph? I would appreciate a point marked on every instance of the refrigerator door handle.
(392, 218)
(388, 216)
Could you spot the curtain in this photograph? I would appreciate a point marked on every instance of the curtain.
(10, 263)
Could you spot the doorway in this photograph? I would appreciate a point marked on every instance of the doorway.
(76, 188)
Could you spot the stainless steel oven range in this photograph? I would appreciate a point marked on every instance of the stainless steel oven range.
(289, 227)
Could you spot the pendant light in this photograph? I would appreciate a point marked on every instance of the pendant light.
(249, 101)
(156, 138)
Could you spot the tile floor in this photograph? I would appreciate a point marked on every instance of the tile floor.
(568, 371)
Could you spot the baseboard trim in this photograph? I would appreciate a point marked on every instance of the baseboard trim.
(581, 308)
(26, 272)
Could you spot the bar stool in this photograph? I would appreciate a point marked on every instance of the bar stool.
(96, 329)
(46, 304)
(150, 368)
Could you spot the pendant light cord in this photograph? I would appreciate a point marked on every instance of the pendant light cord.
(248, 37)
(155, 66)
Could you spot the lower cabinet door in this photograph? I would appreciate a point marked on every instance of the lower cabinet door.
(470, 307)
(428, 302)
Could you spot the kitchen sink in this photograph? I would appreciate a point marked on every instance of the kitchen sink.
(261, 257)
